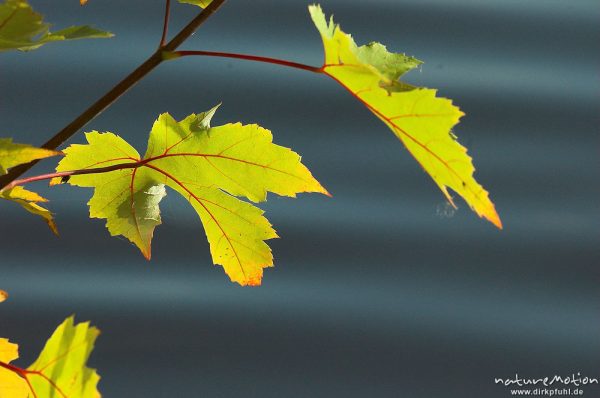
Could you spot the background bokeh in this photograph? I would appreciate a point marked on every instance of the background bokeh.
(380, 291)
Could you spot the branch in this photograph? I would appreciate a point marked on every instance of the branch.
(117, 91)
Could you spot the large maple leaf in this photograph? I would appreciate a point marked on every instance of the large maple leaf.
(420, 119)
(207, 166)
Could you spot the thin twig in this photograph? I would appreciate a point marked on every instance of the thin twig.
(117, 91)
(163, 38)
(61, 174)
(247, 57)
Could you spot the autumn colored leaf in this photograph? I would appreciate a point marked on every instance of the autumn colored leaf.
(60, 370)
(420, 119)
(208, 166)
(11, 155)
(199, 3)
(29, 201)
(3, 296)
(12, 384)
(21, 28)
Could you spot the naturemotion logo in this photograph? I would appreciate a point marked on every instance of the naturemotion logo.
(538, 386)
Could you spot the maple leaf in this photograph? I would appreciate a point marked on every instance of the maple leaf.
(21, 28)
(11, 155)
(208, 166)
(60, 370)
(420, 119)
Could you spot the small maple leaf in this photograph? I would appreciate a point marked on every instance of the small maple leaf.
(11, 155)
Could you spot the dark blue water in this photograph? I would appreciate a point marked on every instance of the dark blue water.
(379, 291)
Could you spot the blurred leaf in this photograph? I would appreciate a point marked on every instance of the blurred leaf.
(21, 28)
(422, 121)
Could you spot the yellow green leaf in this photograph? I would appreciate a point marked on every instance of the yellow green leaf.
(126, 198)
(60, 370)
(63, 361)
(21, 28)
(12, 384)
(11, 155)
(208, 166)
(29, 201)
(420, 119)
(199, 3)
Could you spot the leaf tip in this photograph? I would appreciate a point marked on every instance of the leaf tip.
(254, 281)
(53, 227)
(494, 218)
(147, 253)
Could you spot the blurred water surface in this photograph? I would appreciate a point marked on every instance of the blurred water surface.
(379, 291)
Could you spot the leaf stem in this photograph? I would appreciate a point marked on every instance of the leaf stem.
(248, 57)
(60, 174)
(117, 91)
(163, 38)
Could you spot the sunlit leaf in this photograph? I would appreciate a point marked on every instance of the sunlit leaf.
(420, 119)
(12, 384)
(208, 167)
(60, 371)
(11, 155)
(199, 3)
(21, 28)
(29, 201)
(63, 362)
(3, 295)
